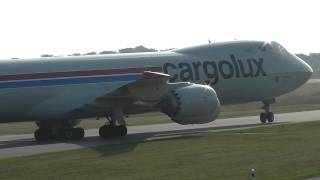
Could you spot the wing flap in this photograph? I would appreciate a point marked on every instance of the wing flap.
(145, 91)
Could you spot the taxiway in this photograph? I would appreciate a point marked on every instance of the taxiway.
(22, 145)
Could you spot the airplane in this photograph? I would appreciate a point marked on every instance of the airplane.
(189, 85)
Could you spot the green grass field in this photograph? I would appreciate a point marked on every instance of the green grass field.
(287, 151)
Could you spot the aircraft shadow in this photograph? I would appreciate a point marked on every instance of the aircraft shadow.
(109, 147)
(129, 143)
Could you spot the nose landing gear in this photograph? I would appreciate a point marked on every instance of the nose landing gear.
(267, 115)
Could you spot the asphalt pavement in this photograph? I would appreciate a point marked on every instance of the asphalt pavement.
(22, 145)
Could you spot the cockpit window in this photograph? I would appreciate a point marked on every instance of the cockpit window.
(265, 46)
(279, 47)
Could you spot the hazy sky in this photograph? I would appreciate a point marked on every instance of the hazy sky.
(61, 27)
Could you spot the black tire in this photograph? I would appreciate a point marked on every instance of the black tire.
(42, 135)
(103, 131)
(122, 131)
(263, 117)
(270, 117)
(108, 131)
(77, 133)
(68, 134)
(112, 131)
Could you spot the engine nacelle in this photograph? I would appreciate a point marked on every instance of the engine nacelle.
(192, 104)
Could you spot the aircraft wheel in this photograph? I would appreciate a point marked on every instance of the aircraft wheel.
(78, 133)
(67, 134)
(122, 130)
(103, 131)
(42, 135)
(73, 133)
(263, 117)
(270, 117)
(108, 131)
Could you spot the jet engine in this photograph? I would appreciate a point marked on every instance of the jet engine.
(192, 104)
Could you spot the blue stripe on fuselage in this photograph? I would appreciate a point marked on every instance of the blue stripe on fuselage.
(68, 81)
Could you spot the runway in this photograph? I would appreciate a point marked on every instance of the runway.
(22, 145)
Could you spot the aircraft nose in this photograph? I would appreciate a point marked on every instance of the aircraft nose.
(304, 69)
(308, 70)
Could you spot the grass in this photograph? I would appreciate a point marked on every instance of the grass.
(287, 151)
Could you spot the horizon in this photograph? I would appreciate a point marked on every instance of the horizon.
(118, 52)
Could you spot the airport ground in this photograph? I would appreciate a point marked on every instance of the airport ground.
(278, 151)
(283, 151)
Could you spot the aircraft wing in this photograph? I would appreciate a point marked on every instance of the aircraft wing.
(140, 95)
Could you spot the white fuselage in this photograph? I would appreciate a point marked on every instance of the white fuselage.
(49, 88)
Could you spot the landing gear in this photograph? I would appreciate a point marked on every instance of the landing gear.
(52, 131)
(264, 117)
(267, 115)
(73, 133)
(116, 126)
(108, 131)
(42, 134)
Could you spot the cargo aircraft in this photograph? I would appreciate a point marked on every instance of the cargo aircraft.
(189, 85)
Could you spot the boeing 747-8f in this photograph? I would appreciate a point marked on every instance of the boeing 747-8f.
(189, 85)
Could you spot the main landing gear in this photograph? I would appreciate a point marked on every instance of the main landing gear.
(116, 126)
(51, 131)
(267, 115)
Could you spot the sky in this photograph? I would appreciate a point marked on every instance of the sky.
(61, 27)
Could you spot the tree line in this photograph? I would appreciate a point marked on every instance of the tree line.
(313, 59)
(125, 50)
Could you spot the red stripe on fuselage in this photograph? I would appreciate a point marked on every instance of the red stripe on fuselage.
(78, 73)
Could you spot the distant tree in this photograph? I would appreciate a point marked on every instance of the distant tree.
(91, 53)
(169, 49)
(46, 55)
(108, 52)
(75, 54)
(313, 59)
(302, 56)
(137, 49)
